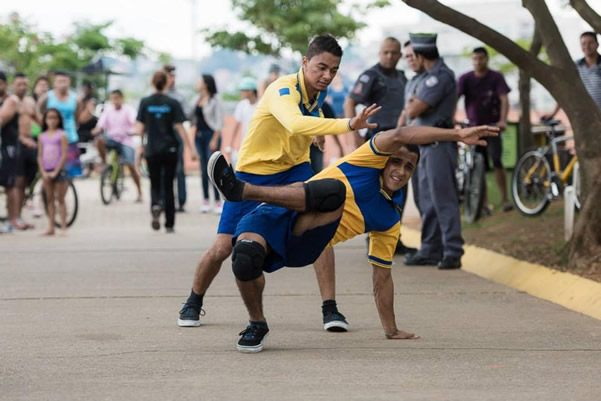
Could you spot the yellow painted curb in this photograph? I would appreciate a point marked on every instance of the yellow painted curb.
(573, 292)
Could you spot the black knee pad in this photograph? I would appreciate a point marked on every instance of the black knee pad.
(247, 260)
(325, 195)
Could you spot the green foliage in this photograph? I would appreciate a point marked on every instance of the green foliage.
(280, 24)
(24, 49)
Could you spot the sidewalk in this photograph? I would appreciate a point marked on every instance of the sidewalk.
(93, 316)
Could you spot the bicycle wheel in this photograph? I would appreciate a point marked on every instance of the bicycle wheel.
(106, 185)
(474, 198)
(531, 183)
(71, 204)
(119, 185)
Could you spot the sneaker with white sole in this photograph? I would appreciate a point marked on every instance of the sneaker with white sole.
(205, 207)
(253, 337)
(224, 178)
(156, 214)
(218, 208)
(189, 315)
(335, 321)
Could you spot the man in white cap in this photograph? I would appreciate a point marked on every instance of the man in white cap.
(243, 114)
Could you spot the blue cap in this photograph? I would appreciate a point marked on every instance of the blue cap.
(247, 84)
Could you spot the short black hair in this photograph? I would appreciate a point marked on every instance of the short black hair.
(2, 76)
(323, 44)
(392, 39)
(407, 43)
(117, 92)
(481, 50)
(169, 68)
(591, 34)
(428, 54)
(61, 73)
(413, 149)
(20, 75)
(210, 83)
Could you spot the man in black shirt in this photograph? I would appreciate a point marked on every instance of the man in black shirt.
(384, 85)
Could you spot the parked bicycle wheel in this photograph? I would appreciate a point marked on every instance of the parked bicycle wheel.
(106, 185)
(531, 183)
(71, 203)
(474, 196)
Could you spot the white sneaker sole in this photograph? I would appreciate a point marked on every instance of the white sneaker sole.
(246, 349)
(211, 168)
(188, 323)
(336, 326)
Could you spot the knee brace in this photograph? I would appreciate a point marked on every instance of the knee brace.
(325, 195)
(247, 260)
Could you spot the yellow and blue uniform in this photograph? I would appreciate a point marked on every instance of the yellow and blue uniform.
(367, 209)
(275, 150)
(283, 126)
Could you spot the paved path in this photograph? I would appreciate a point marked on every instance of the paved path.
(93, 316)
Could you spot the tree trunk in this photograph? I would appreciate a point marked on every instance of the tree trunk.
(587, 14)
(526, 140)
(562, 80)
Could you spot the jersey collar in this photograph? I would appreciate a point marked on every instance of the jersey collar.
(396, 198)
(319, 99)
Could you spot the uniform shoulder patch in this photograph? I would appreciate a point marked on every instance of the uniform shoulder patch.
(431, 81)
(284, 91)
(364, 78)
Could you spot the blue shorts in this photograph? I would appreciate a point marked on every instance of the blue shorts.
(128, 154)
(234, 211)
(275, 224)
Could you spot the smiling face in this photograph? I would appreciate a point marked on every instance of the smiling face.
(398, 170)
(320, 70)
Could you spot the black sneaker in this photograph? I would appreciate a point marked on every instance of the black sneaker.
(224, 179)
(417, 259)
(402, 249)
(335, 322)
(169, 230)
(190, 315)
(449, 263)
(253, 337)
(156, 214)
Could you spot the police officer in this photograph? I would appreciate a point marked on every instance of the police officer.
(434, 105)
(384, 85)
(404, 120)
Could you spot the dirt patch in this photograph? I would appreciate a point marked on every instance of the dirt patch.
(534, 239)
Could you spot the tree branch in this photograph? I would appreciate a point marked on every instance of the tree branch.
(520, 57)
(548, 31)
(587, 14)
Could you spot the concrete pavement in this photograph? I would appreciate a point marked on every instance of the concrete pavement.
(93, 316)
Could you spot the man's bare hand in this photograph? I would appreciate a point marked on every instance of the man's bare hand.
(401, 335)
(320, 142)
(360, 121)
(474, 135)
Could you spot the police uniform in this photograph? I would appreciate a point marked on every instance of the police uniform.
(410, 90)
(367, 209)
(438, 201)
(384, 87)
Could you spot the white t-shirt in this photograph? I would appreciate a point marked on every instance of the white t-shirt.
(243, 114)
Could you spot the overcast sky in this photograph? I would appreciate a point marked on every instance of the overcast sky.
(166, 25)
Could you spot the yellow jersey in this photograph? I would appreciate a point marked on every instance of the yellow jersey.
(368, 208)
(280, 132)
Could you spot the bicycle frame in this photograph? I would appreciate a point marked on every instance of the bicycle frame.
(115, 163)
(563, 175)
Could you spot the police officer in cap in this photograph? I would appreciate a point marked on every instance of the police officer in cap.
(384, 85)
(434, 105)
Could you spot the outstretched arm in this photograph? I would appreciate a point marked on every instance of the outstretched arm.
(392, 140)
(384, 297)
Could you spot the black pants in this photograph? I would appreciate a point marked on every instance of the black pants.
(161, 168)
(202, 140)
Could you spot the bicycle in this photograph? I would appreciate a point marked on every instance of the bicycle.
(534, 184)
(112, 178)
(470, 179)
(34, 193)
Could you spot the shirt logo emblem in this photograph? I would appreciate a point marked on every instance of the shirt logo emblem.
(431, 81)
(284, 91)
